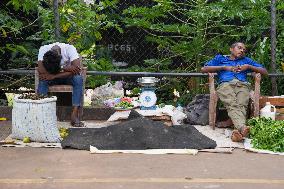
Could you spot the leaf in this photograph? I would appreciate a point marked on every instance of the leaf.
(98, 35)
(22, 49)
(267, 134)
(3, 32)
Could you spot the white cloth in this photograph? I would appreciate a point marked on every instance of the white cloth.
(177, 116)
(248, 146)
(68, 52)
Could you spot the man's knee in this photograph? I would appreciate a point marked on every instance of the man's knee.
(42, 84)
(77, 80)
(42, 87)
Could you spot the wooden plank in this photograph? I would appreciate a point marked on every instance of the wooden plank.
(276, 101)
(163, 117)
(279, 117)
(280, 110)
(94, 150)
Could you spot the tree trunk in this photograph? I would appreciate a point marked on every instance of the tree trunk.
(273, 47)
(56, 19)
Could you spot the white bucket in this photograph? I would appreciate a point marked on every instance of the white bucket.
(35, 119)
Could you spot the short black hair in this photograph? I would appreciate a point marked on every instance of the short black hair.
(51, 62)
(236, 43)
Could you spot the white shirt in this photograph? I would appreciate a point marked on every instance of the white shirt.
(68, 52)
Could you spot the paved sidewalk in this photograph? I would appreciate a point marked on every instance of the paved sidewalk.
(56, 168)
(31, 168)
(5, 129)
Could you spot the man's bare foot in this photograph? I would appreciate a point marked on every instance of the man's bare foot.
(236, 136)
(225, 124)
(245, 131)
(75, 116)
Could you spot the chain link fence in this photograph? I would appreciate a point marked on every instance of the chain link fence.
(130, 47)
(126, 49)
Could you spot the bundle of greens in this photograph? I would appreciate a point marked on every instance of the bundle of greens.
(267, 134)
(124, 105)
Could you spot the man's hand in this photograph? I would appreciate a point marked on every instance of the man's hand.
(237, 68)
(46, 76)
(230, 68)
(243, 68)
(74, 69)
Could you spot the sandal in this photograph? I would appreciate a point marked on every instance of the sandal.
(78, 124)
(236, 136)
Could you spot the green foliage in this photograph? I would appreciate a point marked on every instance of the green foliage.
(135, 91)
(102, 64)
(197, 30)
(25, 25)
(187, 34)
(16, 24)
(25, 5)
(83, 30)
(192, 32)
(267, 134)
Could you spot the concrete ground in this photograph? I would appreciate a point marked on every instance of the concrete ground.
(48, 168)
(57, 168)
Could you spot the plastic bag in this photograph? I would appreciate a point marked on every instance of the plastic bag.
(107, 91)
(177, 116)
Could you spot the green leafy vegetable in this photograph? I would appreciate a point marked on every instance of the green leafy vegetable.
(267, 134)
(124, 105)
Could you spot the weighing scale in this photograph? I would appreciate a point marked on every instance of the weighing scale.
(148, 96)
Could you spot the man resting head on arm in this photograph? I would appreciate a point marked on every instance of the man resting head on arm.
(59, 63)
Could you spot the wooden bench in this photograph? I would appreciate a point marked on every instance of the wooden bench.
(63, 88)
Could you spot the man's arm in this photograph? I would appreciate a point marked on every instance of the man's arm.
(44, 75)
(41, 69)
(260, 70)
(74, 68)
(210, 69)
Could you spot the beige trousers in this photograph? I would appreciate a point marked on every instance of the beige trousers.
(235, 97)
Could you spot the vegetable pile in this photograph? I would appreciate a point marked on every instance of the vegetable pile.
(63, 132)
(125, 103)
(267, 134)
(32, 96)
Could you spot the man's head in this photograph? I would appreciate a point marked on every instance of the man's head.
(51, 61)
(238, 50)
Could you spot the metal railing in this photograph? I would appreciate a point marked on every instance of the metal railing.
(134, 74)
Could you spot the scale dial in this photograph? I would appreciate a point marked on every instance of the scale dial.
(148, 98)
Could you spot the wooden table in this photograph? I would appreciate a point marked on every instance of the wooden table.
(277, 101)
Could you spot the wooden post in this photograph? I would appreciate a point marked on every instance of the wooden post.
(56, 19)
(273, 47)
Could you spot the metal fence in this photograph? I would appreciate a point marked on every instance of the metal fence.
(124, 49)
